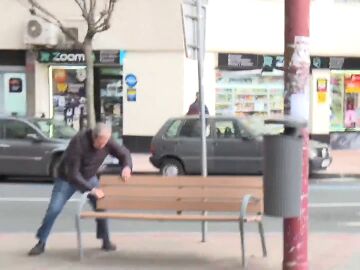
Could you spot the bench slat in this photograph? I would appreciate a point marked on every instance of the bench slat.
(175, 192)
(162, 217)
(154, 180)
(140, 204)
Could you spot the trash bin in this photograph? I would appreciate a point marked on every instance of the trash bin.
(283, 169)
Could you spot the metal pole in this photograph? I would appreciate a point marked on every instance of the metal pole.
(297, 83)
(200, 58)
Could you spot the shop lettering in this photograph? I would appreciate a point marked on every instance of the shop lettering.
(68, 57)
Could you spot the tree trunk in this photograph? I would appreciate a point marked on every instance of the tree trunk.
(89, 83)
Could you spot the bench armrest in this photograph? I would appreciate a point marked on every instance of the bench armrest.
(244, 204)
(82, 202)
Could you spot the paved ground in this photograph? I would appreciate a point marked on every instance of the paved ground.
(152, 251)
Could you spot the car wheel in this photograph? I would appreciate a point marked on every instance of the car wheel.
(171, 167)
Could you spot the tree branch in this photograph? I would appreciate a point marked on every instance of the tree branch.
(107, 14)
(82, 8)
(49, 17)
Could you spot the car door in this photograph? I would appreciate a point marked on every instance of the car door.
(235, 151)
(20, 155)
(188, 146)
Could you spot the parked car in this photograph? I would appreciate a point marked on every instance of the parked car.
(234, 146)
(33, 146)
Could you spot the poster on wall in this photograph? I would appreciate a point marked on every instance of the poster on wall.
(14, 94)
(69, 96)
(322, 90)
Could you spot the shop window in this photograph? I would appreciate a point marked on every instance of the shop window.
(345, 100)
(243, 94)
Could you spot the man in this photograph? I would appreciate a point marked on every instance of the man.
(195, 107)
(77, 172)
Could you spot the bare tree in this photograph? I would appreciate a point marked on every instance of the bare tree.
(96, 23)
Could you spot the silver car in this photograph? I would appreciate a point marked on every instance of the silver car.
(234, 146)
(32, 147)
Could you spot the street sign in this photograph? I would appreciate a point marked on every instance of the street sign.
(189, 22)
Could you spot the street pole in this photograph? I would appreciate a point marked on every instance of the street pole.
(200, 58)
(296, 104)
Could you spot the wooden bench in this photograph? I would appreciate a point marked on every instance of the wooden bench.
(180, 199)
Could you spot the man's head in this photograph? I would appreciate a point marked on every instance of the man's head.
(101, 134)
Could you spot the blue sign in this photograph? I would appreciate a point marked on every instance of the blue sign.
(131, 80)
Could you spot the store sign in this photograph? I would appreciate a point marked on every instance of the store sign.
(77, 57)
(131, 80)
(240, 61)
(235, 61)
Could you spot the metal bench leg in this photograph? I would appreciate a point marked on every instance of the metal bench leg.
(262, 236)
(79, 240)
(241, 226)
(204, 229)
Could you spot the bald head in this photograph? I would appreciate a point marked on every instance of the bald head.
(101, 135)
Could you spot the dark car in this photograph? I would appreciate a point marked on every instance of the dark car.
(33, 147)
(234, 146)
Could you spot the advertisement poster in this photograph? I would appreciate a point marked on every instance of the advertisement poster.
(69, 97)
(322, 90)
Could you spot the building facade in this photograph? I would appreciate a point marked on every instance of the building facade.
(142, 76)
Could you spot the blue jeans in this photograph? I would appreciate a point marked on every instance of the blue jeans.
(61, 193)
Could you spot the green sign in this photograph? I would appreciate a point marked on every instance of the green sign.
(77, 57)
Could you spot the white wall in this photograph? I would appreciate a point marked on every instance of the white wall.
(160, 91)
(136, 24)
(42, 90)
(320, 112)
(257, 26)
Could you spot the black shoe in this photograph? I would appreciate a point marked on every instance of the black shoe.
(37, 249)
(108, 246)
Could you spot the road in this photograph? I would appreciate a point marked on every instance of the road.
(334, 207)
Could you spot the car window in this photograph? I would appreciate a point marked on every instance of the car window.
(173, 129)
(17, 130)
(192, 129)
(55, 129)
(225, 129)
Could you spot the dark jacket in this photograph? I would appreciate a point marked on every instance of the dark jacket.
(81, 160)
(195, 108)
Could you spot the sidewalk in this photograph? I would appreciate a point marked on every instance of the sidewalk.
(154, 251)
(346, 163)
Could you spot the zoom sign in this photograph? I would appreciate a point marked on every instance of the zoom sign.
(78, 57)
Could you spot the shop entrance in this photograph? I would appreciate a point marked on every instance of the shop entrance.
(109, 98)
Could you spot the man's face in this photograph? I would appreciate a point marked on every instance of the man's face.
(101, 141)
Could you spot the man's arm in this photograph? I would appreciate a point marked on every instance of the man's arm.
(121, 153)
(73, 164)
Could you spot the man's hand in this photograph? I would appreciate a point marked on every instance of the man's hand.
(126, 174)
(98, 193)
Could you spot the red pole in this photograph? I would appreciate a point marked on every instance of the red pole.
(297, 82)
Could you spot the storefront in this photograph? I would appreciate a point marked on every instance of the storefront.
(13, 88)
(252, 85)
(67, 77)
(249, 85)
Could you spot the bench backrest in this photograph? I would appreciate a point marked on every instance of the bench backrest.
(188, 193)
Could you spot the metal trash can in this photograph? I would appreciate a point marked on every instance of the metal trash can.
(283, 169)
